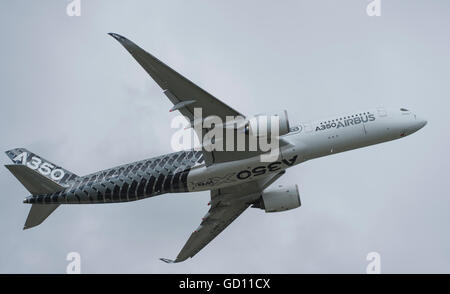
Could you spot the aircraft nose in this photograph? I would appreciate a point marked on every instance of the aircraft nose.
(419, 122)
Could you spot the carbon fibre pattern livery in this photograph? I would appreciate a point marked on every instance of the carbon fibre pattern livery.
(129, 182)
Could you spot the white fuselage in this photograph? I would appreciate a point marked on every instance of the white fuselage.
(311, 140)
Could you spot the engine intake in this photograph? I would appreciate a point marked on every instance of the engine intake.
(280, 199)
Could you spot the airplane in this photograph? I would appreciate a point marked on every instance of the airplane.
(236, 179)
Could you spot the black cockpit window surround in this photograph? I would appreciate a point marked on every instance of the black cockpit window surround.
(403, 109)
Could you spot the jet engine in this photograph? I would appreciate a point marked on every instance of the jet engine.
(279, 199)
(261, 125)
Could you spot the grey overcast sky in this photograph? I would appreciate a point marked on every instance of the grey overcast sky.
(72, 94)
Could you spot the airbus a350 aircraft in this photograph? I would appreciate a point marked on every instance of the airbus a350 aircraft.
(236, 179)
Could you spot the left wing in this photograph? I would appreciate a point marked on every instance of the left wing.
(187, 96)
(184, 94)
(226, 205)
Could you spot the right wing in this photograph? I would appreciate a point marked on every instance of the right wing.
(226, 205)
(214, 222)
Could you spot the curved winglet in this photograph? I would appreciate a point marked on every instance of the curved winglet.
(166, 260)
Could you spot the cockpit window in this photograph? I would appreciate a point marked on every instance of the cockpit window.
(404, 109)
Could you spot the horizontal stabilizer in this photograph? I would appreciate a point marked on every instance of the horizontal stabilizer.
(38, 213)
(35, 182)
(54, 172)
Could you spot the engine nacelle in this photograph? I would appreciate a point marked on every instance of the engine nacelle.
(280, 199)
(261, 125)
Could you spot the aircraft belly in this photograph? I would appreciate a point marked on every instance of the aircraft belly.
(236, 172)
